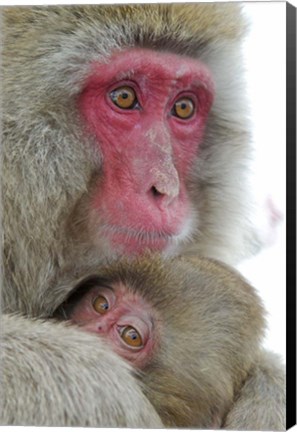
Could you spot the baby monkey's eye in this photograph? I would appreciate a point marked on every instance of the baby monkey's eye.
(124, 97)
(131, 336)
(184, 108)
(100, 304)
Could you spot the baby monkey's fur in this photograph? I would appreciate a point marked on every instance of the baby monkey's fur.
(208, 369)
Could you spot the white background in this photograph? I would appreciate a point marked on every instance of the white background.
(265, 51)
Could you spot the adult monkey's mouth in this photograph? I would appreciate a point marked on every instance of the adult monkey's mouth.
(138, 241)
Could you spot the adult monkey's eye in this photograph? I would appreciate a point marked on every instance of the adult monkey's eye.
(100, 304)
(184, 108)
(124, 97)
(131, 336)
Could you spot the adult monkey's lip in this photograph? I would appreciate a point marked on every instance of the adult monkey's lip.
(133, 242)
(136, 241)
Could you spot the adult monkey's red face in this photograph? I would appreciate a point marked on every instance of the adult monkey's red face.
(148, 112)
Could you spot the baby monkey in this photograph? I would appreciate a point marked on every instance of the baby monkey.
(192, 328)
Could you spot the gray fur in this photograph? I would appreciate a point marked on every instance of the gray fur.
(261, 403)
(54, 375)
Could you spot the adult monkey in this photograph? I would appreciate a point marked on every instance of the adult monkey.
(123, 130)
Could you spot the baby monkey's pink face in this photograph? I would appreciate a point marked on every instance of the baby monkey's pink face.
(123, 318)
